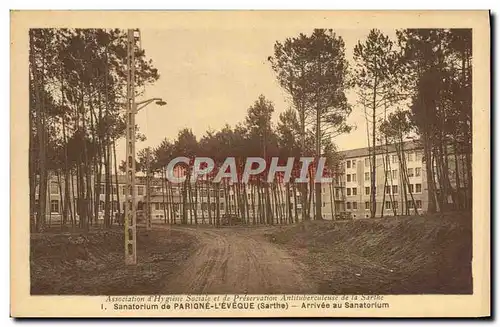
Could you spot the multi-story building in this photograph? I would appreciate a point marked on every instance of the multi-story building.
(349, 194)
(353, 184)
(161, 197)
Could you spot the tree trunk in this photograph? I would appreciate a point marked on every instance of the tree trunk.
(217, 204)
(252, 194)
(63, 203)
(163, 189)
(196, 203)
(294, 188)
(373, 207)
(116, 180)
(41, 133)
(209, 205)
(246, 203)
(202, 187)
(332, 203)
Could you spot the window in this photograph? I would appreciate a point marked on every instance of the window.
(324, 190)
(367, 191)
(354, 191)
(394, 189)
(348, 205)
(395, 204)
(348, 191)
(324, 204)
(419, 204)
(140, 190)
(395, 174)
(348, 177)
(367, 176)
(354, 205)
(409, 156)
(157, 205)
(387, 204)
(367, 205)
(411, 188)
(353, 177)
(221, 206)
(379, 162)
(418, 156)
(54, 206)
(410, 172)
(394, 158)
(54, 188)
(410, 204)
(387, 190)
(123, 189)
(418, 188)
(367, 162)
(337, 192)
(354, 164)
(418, 171)
(348, 163)
(103, 189)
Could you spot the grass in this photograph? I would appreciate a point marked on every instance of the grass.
(394, 255)
(93, 264)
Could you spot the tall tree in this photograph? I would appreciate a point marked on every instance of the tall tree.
(314, 71)
(375, 77)
(438, 66)
(262, 142)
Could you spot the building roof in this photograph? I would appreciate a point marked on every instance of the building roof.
(380, 149)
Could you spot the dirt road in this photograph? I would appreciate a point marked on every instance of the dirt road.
(238, 260)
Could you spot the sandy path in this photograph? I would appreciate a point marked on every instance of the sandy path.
(237, 260)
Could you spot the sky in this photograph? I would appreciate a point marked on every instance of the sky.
(210, 77)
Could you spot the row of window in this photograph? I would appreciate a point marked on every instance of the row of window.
(412, 172)
(410, 157)
(54, 190)
(388, 205)
(412, 188)
(55, 208)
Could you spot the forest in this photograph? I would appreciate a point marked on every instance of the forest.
(417, 86)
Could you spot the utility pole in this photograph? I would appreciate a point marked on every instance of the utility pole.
(148, 189)
(130, 207)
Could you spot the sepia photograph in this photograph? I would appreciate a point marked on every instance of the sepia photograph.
(212, 167)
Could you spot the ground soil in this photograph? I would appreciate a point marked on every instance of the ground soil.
(239, 260)
(375, 256)
(403, 255)
(93, 263)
